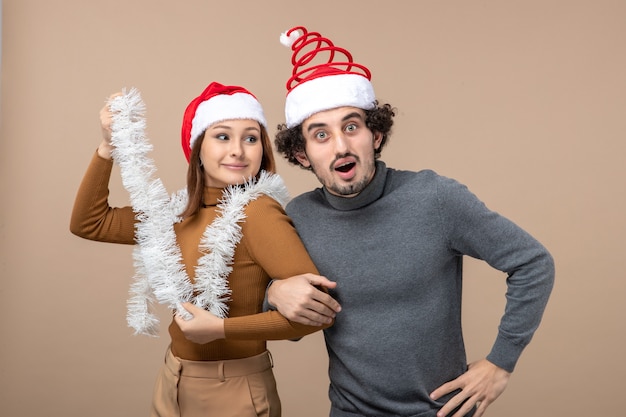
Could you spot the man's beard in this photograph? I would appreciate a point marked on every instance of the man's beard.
(349, 189)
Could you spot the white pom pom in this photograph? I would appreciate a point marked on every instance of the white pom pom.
(289, 40)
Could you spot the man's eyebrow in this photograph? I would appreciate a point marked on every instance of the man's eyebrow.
(346, 117)
(351, 115)
(314, 126)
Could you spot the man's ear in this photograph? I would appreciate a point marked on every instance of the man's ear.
(302, 158)
(378, 138)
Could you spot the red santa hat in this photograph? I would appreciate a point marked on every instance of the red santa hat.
(217, 103)
(324, 77)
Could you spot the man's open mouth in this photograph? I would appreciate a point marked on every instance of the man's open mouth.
(345, 167)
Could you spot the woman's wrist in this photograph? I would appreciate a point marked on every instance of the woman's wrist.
(104, 150)
(221, 330)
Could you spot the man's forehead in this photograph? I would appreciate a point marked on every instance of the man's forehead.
(335, 115)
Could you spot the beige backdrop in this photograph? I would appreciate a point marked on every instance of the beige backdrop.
(523, 101)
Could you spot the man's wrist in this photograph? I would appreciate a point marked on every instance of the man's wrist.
(267, 304)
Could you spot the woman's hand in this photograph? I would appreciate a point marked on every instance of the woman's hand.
(105, 148)
(203, 327)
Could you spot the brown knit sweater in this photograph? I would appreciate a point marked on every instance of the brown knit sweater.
(270, 248)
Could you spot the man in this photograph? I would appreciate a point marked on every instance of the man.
(390, 245)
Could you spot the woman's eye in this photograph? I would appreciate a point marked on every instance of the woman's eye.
(251, 139)
(222, 137)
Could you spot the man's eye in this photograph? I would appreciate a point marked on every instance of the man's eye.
(351, 127)
(320, 135)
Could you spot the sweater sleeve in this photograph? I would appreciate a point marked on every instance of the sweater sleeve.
(277, 248)
(476, 231)
(92, 217)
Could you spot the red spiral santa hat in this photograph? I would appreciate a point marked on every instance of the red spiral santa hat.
(217, 103)
(324, 77)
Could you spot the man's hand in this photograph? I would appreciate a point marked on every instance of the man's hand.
(298, 300)
(203, 327)
(480, 386)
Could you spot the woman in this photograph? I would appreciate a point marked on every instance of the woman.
(214, 366)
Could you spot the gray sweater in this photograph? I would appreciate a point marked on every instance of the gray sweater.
(396, 252)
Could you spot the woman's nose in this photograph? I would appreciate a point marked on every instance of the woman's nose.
(235, 148)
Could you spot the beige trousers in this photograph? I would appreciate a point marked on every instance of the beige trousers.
(232, 388)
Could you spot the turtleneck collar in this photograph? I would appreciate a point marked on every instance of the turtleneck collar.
(211, 196)
(371, 193)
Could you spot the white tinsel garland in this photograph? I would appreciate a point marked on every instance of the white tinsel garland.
(160, 275)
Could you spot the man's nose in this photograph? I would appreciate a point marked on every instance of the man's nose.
(341, 143)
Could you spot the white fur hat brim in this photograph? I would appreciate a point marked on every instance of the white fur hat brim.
(328, 92)
(225, 107)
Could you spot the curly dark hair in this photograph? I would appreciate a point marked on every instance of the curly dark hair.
(290, 141)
